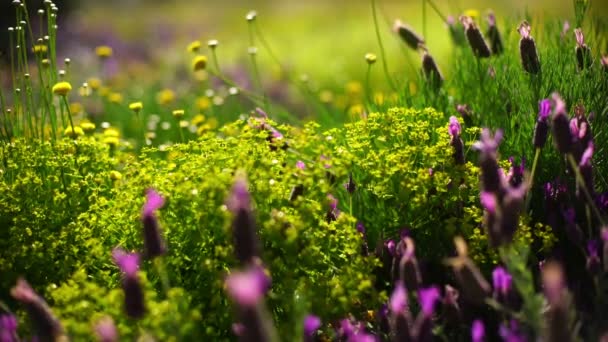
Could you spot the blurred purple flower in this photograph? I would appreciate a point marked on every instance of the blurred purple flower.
(502, 282)
(544, 109)
(511, 332)
(8, 328)
(244, 235)
(428, 297)
(154, 244)
(105, 330)
(398, 300)
(593, 259)
(311, 324)
(478, 331)
(45, 324)
(134, 294)
(488, 201)
(300, 165)
(454, 127)
(246, 288)
(562, 135)
(127, 262)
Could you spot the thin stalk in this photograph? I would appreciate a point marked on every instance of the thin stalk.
(162, 274)
(254, 64)
(583, 186)
(534, 165)
(368, 89)
(67, 106)
(436, 9)
(424, 19)
(382, 53)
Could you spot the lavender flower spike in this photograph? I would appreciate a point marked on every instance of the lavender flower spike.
(106, 331)
(154, 244)
(246, 288)
(476, 42)
(502, 283)
(311, 325)
(541, 130)
(428, 298)
(134, 294)
(583, 52)
(454, 130)
(527, 50)
(245, 239)
(45, 325)
(490, 172)
(8, 328)
(561, 126)
(478, 331)
(398, 300)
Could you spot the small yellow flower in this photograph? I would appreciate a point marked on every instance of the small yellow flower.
(76, 108)
(115, 97)
(45, 63)
(198, 119)
(112, 141)
(326, 96)
(75, 133)
(203, 103)
(370, 58)
(199, 62)
(150, 135)
(473, 13)
(39, 49)
(165, 97)
(178, 113)
(62, 88)
(184, 124)
(104, 91)
(111, 132)
(354, 88)
(194, 46)
(136, 106)
(103, 51)
(87, 127)
(94, 83)
(115, 175)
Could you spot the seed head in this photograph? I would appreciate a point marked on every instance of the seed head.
(475, 38)
(213, 43)
(199, 62)
(136, 107)
(103, 51)
(370, 58)
(407, 34)
(62, 88)
(527, 50)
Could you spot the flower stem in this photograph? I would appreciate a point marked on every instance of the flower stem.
(534, 165)
(382, 53)
(583, 186)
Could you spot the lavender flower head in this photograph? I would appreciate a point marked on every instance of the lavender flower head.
(428, 297)
(476, 41)
(154, 244)
(398, 300)
(583, 52)
(562, 135)
(593, 258)
(544, 109)
(478, 331)
(454, 129)
(494, 35)
(247, 288)
(8, 328)
(502, 282)
(300, 165)
(245, 239)
(45, 324)
(490, 173)
(407, 34)
(311, 324)
(527, 49)
(105, 330)
(134, 295)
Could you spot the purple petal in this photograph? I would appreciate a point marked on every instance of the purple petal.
(544, 109)
(127, 262)
(428, 297)
(154, 201)
(454, 127)
(106, 331)
(398, 300)
(239, 198)
(300, 165)
(478, 331)
(587, 155)
(501, 280)
(245, 288)
(311, 324)
(488, 201)
(580, 38)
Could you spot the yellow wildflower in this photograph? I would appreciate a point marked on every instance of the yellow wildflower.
(112, 141)
(326, 96)
(354, 88)
(115, 97)
(76, 108)
(165, 96)
(184, 124)
(62, 88)
(115, 175)
(103, 51)
(473, 13)
(199, 62)
(87, 127)
(73, 133)
(136, 106)
(94, 83)
(194, 46)
(198, 119)
(111, 132)
(178, 113)
(39, 49)
(370, 58)
(203, 103)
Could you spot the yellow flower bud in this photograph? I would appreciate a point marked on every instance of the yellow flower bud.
(136, 106)
(199, 62)
(75, 133)
(370, 58)
(115, 175)
(39, 49)
(103, 51)
(178, 113)
(194, 46)
(165, 96)
(62, 88)
(112, 141)
(87, 127)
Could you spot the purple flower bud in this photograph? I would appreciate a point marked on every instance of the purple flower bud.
(350, 185)
(311, 325)
(494, 35)
(561, 126)
(475, 38)
(8, 328)
(154, 244)
(431, 71)
(43, 321)
(541, 129)
(527, 50)
(300, 165)
(333, 212)
(245, 239)
(390, 245)
(478, 331)
(454, 128)
(565, 28)
(409, 272)
(511, 333)
(105, 330)
(488, 146)
(544, 109)
(428, 297)
(502, 283)
(247, 288)
(398, 300)
(407, 34)
(133, 291)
